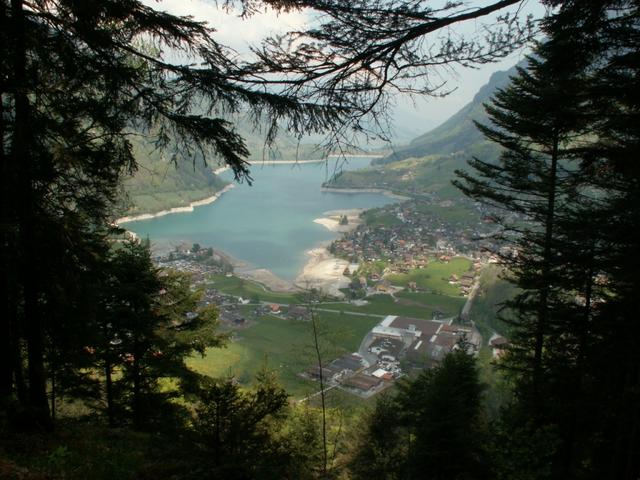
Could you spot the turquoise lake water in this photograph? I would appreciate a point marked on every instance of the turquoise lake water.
(269, 224)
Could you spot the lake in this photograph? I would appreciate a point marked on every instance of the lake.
(269, 224)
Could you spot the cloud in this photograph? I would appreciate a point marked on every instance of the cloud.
(409, 118)
(231, 30)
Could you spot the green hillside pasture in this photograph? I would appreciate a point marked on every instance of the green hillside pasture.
(159, 183)
(416, 305)
(249, 289)
(414, 175)
(380, 217)
(450, 306)
(457, 214)
(285, 346)
(156, 202)
(435, 276)
(486, 307)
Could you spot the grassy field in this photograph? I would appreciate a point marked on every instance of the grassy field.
(285, 346)
(486, 308)
(251, 290)
(379, 217)
(449, 305)
(435, 276)
(417, 305)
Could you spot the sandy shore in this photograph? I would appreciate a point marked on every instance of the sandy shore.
(386, 193)
(188, 208)
(331, 220)
(324, 272)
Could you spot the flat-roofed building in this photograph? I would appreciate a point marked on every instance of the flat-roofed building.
(362, 382)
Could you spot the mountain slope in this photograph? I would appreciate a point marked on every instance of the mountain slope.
(426, 166)
(160, 184)
(458, 133)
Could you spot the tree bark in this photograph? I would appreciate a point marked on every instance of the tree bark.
(137, 401)
(21, 157)
(543, 315)
(109, 393)
(8, 302)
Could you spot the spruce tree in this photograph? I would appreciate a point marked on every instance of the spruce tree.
(536, 120)
(605, 441)
(431, 429)
(151, 323)
(575, 254)
(78, 78)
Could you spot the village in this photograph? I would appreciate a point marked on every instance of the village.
(409, 256)
(392, 347)
(406, 235)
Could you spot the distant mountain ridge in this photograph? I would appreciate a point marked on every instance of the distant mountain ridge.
(427, 164)
(459, 133)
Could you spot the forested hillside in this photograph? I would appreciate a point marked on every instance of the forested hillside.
(427, 164)
(459, 133)
(161, 182)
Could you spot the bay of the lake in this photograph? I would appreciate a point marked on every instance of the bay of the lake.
(268, 224)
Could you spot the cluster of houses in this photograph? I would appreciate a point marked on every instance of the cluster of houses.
(199, 262)
(377, 283)
(417, 235)
(425, 342)
(395, 341)
(354, 374)
(466, 281)
(293, 312)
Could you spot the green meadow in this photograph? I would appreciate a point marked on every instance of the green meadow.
(285, 346)
(407, 304)
(249, 289)
(435, 276)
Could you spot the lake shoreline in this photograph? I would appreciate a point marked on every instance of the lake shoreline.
(324, 270)
(172, 210)
(386, 193)
(224, 168)
(314, 267)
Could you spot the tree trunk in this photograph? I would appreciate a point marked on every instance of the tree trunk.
(578, 393)
(22, 158)
(18, 374)
(543, 315)
(7, 320)
(53, 393)
(109, 393)
(322, 396)
(137, 401)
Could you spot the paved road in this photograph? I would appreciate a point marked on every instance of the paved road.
(363, 350)
(331, 310)
(375, 315)
(472, 295)
(317, 393)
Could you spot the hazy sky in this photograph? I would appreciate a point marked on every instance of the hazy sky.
(409, 120)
